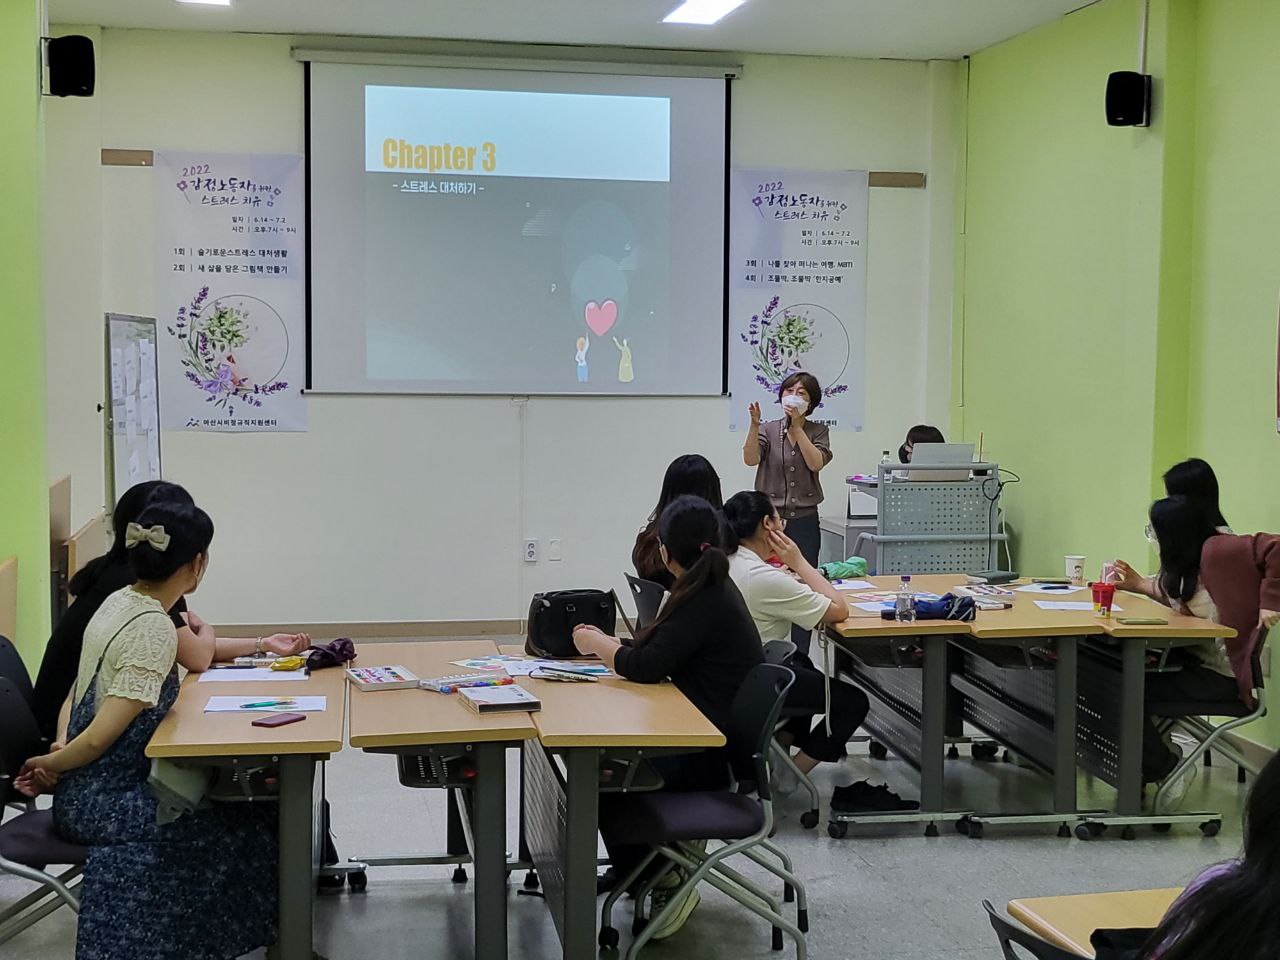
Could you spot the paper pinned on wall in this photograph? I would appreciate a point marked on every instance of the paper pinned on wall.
(117, 371)
(146, 360)
(131, 368)
(153, 453)
(135, 467)
(147, 402)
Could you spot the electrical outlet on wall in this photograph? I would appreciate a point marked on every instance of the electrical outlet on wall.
(531, 551)
(553, 549)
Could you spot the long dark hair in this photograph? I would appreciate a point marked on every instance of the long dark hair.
(1194, 478)
(189, 529)
(1235, 914)
(1181, 526)
(743, 514)
(920, 433)
(128, 508)
(691, 473)
(690, 530)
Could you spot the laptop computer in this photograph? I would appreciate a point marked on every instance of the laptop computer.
(941, 453)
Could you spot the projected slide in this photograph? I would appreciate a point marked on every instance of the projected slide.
(513, 233)
(484, 205)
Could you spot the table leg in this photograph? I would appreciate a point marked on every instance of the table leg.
(582, 813)
(296, 871)
(489, 830)
(933, 717)
(1065, 677)
(1133, 659)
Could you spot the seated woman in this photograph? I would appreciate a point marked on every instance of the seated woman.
(779, 601)
(198, 646)
(705, 642)
(920, 433)
(691, 474)
(1232, 580)
(151, 892)
(1232, 909)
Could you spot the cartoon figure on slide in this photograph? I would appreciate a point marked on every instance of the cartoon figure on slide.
(581, 359)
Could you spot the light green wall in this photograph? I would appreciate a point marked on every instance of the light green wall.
(1057, 328)
(1235, 255)
(24, 493)
(1120, 287)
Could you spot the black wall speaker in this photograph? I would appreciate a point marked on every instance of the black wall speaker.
(1128, 99)
(71, 70)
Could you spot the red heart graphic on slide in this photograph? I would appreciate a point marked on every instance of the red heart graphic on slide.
(601, 316)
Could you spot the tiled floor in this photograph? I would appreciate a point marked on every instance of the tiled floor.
(883, 893)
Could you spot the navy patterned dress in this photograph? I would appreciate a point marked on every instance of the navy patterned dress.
(200, 888)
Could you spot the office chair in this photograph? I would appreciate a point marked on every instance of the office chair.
(1194, 717)
(779, 652)
(29, 842)
(13, 669)
(648, 596)
(1009, 933)
(677, 826)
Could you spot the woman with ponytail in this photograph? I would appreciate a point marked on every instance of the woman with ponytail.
(705, 641)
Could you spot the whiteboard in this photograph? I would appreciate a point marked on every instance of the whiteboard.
(133, 403)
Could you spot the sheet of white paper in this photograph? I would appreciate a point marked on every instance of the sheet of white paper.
(135, 467)
(146, 404)
(146, 360)
(226, 675)
(153, 452)
(853, 584)
(873, 607)
(130, 431)
(295, 705)
(493, 662)
(1048, 589)
(131, 368)
(1071, 605)
(117, 372)
(521, 668)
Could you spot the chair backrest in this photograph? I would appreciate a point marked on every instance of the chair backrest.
(648, 596)
(1010, 933)
(753, 717)
(778, 651)
(12, 668)
(20, 737)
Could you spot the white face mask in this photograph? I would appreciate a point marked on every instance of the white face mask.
(797, 404)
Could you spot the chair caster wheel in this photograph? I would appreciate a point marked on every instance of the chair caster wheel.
(962, 826)
(953, 752)
(837, 829)
(777, 938)
(358, 881)
(975, 831)
(877, 750)
(531, 880)
(1162, 827)
(608, 939)
(1090, 831)
(802, 920)
(1128, 833)
(329, 883)
(809, 819)
(1064, 831)
(1211, 828)
(931, 830)
(459, 875)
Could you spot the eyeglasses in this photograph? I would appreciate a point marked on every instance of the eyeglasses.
(1150, 534)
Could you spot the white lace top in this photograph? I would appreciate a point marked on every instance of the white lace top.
(139, 659)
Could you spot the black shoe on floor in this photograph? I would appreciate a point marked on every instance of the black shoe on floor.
(862, 797)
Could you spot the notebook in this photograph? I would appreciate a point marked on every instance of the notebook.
(506, 699)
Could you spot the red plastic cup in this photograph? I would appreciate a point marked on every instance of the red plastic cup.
(1104, 595)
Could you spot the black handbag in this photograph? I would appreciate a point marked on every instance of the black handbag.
(553, 616)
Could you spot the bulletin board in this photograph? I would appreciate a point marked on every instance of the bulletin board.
(132, 403)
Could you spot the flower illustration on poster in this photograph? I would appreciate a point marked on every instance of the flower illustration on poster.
(232, 349)
(800, 337)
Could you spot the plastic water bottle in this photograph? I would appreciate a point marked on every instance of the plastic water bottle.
(885, 459)
(904, 607)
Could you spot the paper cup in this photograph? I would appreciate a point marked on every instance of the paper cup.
(1075, 569)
